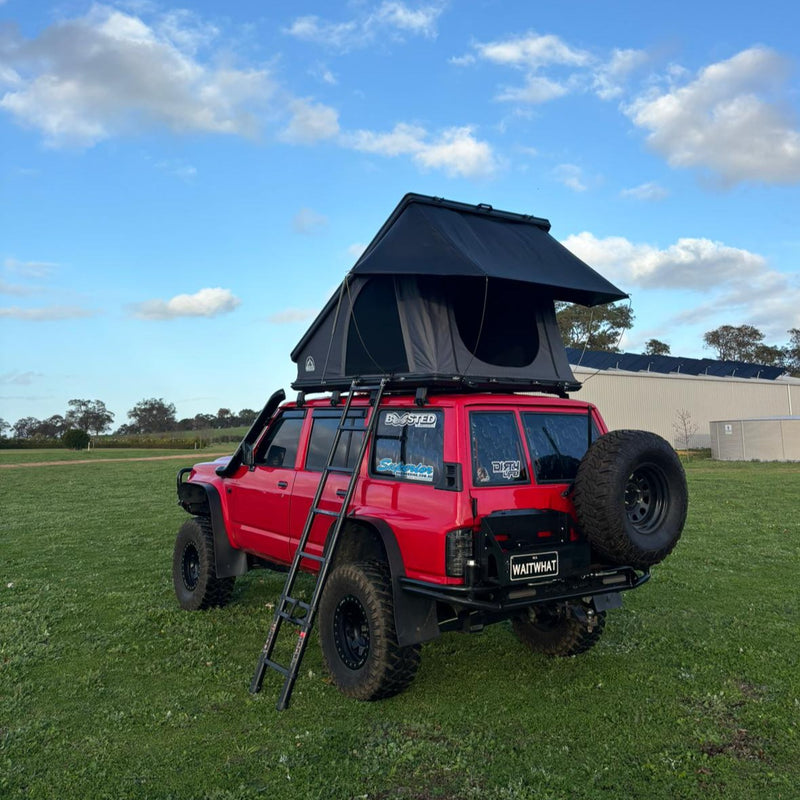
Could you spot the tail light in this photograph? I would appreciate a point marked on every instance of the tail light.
(458, 550)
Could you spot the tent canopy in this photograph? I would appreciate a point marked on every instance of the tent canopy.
(449, 295)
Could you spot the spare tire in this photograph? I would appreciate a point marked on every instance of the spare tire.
(631, 498)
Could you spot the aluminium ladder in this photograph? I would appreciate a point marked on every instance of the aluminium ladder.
(289, 608)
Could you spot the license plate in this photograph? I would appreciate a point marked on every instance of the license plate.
(534, 565)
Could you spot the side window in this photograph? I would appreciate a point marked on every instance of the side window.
(322, 432)
(409, 445)
(557, 443)
(497, 455)
(279, 447)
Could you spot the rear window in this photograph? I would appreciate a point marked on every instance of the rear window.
(497, 455)
(322, 432)
(409, 445)
(557, 443)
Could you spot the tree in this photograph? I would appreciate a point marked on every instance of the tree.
(153, 415)
(91, 416)
(4, 426)
(656, 348)
(685, 427)
(598, 328)
(203, 421)
(26, 427)
(225, 418)
(75, 439)
(247, 416)
(792, 352)
(52, 427)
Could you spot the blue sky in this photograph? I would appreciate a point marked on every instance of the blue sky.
(182, 187)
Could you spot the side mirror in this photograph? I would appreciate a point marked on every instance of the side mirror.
(248, 457)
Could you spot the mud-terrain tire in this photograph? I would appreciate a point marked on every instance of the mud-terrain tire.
(631, 498)
(193, 570)
(554, 631)
(357, 633)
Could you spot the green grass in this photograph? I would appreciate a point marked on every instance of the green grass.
(102, 454)
(108, 690)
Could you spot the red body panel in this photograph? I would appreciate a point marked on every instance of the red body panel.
(265, 507)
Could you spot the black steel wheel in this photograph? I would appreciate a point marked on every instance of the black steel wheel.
(556, 630)
(357, 633)
(194, 573)
(631, 497)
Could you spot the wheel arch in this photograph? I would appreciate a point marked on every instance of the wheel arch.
(372, 538)
(203, 499)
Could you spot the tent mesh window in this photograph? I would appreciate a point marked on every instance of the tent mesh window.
(504, 333)
(375, 321)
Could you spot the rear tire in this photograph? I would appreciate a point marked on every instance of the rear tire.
(357, 633)
(194, 574)
(555, 631)
(631, 497)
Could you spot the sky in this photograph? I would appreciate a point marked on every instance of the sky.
(182, 187)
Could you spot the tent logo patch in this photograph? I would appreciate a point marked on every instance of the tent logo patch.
(310, 365)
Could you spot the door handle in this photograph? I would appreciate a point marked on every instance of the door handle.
(341, 493)
(283, 484)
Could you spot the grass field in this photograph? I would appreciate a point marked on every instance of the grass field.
(108, 690)
(12, 457)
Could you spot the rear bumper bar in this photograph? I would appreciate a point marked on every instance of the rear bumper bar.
(501, 599)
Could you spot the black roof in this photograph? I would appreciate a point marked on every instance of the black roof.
(432, 236)
(636, 362)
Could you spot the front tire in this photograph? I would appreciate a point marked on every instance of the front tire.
(555, 630)
(194, 574)
(357, 633)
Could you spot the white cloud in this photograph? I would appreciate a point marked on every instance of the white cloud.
(307, 221)
(310, 122)
(205, 303)
(110, 73)
(31, 269)
(455, 150)
(698, 264)
(611, 76)
(536, 90)
(725, 121)
(45, 314)
(291, 315)
(390, 19)
(571, 176)
(648, 192)
(533, 51)
(17, 378)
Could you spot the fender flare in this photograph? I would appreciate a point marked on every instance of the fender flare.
(228, 560)
(415, 616)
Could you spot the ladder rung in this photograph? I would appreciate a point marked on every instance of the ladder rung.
(293, 620)
(277, 667)
(291, 601)
(325, 512)
(312, 556)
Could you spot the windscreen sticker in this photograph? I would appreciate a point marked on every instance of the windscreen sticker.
(414, 472)
(508, 470)
(416, 419)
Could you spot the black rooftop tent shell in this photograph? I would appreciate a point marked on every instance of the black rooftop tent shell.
(451, 295)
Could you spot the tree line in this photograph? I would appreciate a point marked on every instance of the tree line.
(152, 415)
(601, 328)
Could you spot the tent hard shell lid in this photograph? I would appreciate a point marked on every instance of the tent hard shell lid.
(451, 296)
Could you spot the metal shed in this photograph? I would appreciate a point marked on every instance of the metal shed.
(758, 439)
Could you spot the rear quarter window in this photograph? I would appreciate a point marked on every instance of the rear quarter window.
(497, 455)
(409, 445)
(557, 443)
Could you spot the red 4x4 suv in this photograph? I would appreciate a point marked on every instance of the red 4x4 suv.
(468, 509)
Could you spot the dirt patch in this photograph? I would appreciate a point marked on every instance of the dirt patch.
(206, 456)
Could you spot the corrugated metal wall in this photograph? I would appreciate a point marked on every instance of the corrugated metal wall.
(775, 439)
(652, 401)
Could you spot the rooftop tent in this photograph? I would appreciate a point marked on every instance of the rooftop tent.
(451, 295)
